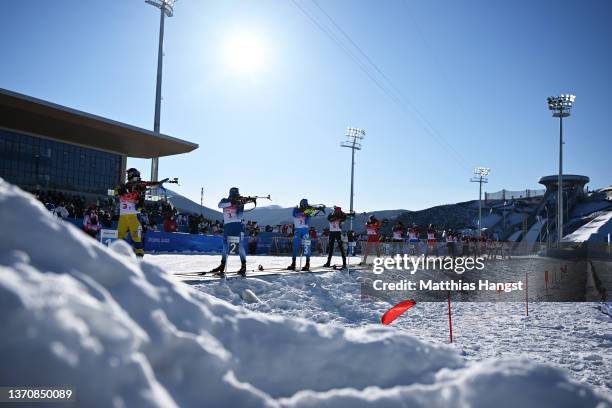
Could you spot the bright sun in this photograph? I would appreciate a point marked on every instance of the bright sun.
(245, 52)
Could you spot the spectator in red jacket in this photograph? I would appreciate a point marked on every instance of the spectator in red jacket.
(91, 221)
(170, 224)
(312, 233)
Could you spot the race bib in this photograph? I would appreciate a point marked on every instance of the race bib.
(128, 208)
(127, 203)
(299, 222)
(351, 247)
(334, 226)
(230, 214)
(233, 245)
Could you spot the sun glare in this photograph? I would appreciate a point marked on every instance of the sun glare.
(245, 52)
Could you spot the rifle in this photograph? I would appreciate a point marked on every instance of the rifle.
(161, 182)
(252, 199)
(319, 207)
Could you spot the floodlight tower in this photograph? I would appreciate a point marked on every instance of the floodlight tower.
(354, 136)
(166, 8)
(480, 176)
(561, 107)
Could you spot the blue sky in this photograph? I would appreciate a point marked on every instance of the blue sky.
(477, 72)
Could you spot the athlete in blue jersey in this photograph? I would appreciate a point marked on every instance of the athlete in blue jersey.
(233, 208)
(301, 227)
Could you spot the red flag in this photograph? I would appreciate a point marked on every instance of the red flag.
(396, 311)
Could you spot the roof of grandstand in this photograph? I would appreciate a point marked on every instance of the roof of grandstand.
(25, 114)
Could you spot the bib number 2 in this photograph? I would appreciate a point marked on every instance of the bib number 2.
(233, 244)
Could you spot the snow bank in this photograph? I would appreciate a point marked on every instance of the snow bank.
(596, 230)
(123, 334)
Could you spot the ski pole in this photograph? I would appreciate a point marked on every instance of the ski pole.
(450, 318)
(301, 251)
(526, 295)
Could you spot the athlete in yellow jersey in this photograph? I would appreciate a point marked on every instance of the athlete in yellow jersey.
(131, 200)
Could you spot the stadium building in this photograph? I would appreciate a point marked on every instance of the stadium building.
(52, 147)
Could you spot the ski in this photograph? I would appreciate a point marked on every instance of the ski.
(195, 278)
(272, 271)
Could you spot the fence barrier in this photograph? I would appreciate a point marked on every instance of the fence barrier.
(514, 194)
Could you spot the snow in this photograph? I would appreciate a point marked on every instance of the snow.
(515, 235)
(481, 330)
(489, 220)
(124, 332)
(533, 234)
(585, 208)
(596, 230)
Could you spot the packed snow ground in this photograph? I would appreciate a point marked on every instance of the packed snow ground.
(574, 336)
(125, 334)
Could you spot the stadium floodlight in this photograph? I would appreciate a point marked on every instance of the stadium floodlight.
(354, 136)
(480, 176)
(561, 107)
(166, 8)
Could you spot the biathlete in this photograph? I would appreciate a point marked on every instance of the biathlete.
(301, 224)
(398, 237)
(432, 242)
(373, 230)
(413, 238)
(233, 209)
(335, 234)
(131, 200)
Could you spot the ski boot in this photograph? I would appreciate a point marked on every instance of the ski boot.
(292, 266)
(219, 270)
(306, 267)
(326, 264)
(242, 270)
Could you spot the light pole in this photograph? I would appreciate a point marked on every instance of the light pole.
(566, 203)
(504, 211)
(354, 136)
(547, 231)
(480, 177)
(166, 8)
(561, 107)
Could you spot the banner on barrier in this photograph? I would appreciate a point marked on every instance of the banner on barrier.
(107, 236)
(181, 242)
